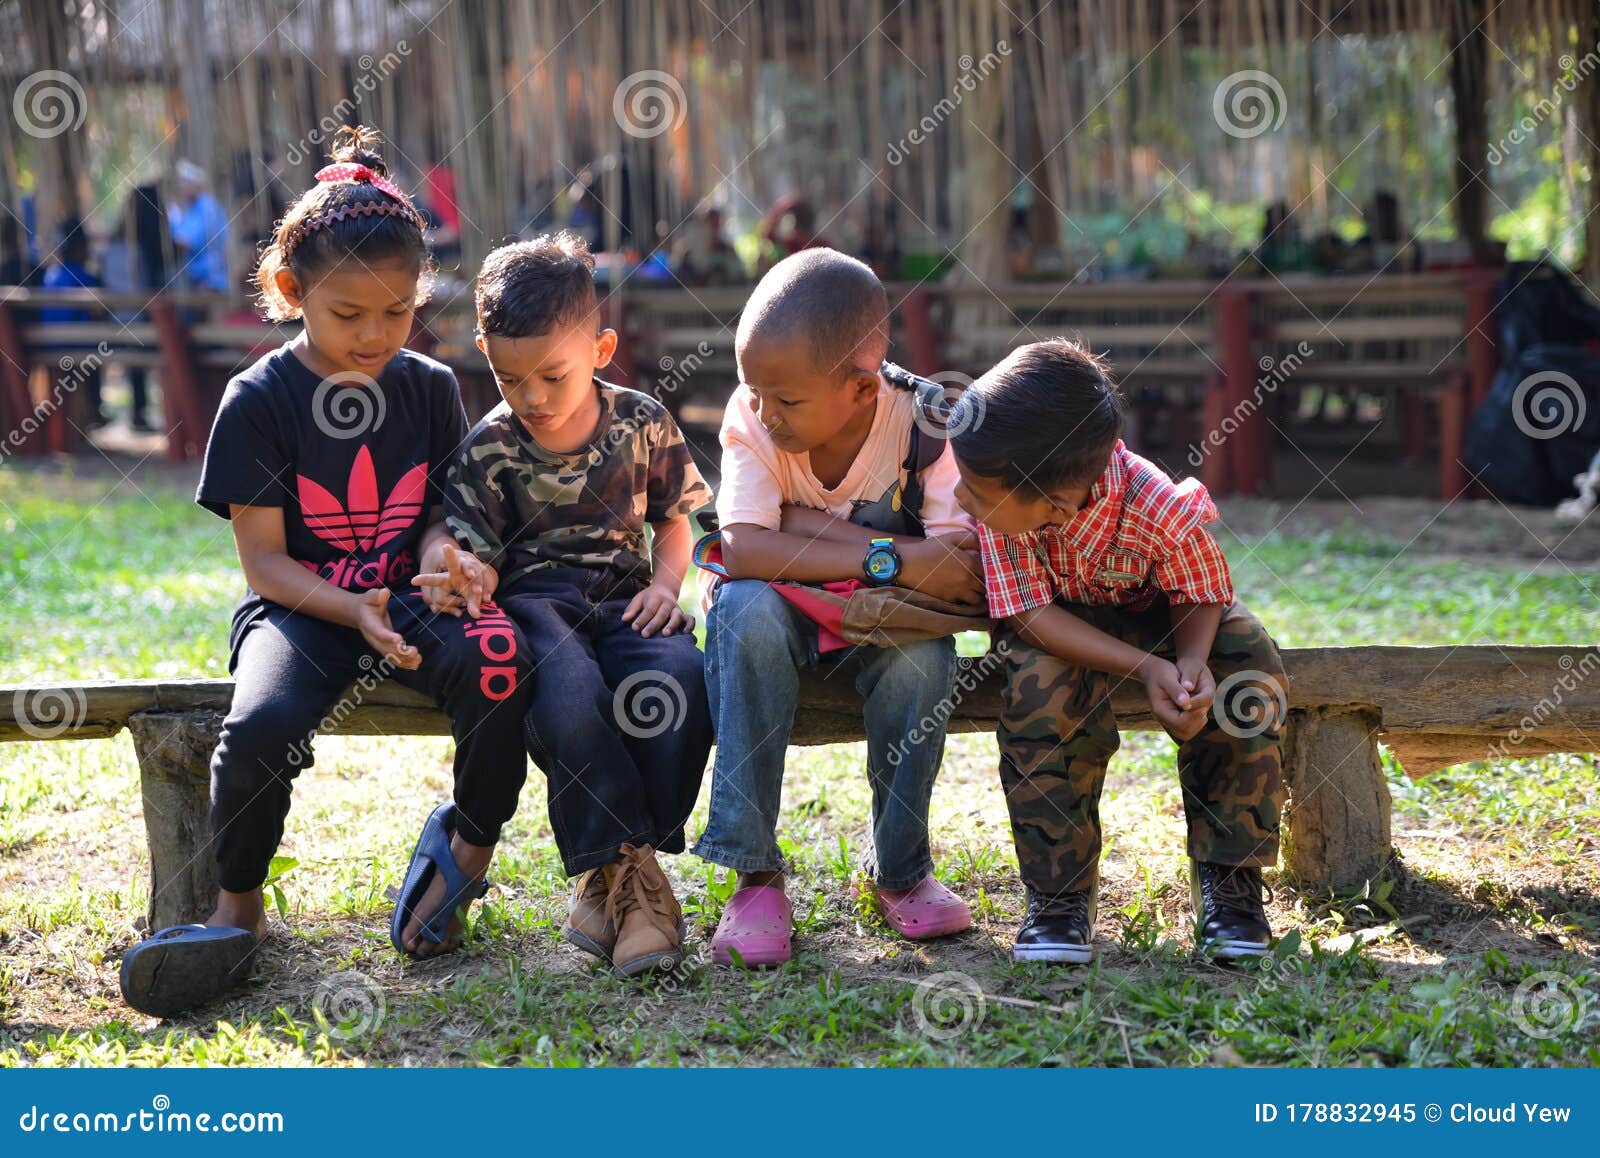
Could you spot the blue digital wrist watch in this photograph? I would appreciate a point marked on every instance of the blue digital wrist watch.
(882, 563)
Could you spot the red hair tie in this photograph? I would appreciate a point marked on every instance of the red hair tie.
(353, 171)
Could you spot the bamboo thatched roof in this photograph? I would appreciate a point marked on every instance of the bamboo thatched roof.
(1089, 106)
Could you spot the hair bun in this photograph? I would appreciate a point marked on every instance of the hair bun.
(358, 144)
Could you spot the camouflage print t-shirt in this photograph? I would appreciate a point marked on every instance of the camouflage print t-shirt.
(520, 507)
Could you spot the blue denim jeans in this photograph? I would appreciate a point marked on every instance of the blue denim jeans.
(756, 645)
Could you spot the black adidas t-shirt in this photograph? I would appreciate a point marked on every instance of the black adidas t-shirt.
(356, 470)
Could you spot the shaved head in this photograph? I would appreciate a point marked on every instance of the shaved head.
(835, 303)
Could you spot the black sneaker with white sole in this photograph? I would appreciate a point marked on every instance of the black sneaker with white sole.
(1229, 909)
(1059, 928)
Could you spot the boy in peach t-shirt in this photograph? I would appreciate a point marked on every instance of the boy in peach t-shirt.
(815, 489)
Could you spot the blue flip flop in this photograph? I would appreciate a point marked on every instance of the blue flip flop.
(185, 966)
(433, 855)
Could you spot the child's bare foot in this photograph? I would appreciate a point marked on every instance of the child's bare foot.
(247, 911)
(473, 861)
(771, 880)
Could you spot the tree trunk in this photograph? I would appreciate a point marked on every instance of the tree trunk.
(1336, 834)
(1469, 65)
(174, 751)
(988, 175)
(61, 106)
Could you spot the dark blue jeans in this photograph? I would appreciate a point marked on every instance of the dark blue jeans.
(619, 723)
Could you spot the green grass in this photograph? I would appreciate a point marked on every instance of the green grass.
(1335, 588)
(1500, 905)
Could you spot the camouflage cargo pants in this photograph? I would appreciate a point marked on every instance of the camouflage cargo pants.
(1057, 734)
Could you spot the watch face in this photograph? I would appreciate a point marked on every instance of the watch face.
(882, 565)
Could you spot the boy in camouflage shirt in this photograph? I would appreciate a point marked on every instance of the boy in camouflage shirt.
(551, 493)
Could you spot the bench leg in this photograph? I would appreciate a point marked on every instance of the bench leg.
(1336, 834)
(174, 750)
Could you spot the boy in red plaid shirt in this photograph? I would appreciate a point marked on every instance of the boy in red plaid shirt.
(1100, 570)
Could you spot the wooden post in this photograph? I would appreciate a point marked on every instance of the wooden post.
(174, 750)
(626, 361)
(1336, 833)
(58, 432)
(922, 341)
(1248, 447)
(1452, 436)
(1214, 472)
(1414, 413)
(16, 400)
(180, 388)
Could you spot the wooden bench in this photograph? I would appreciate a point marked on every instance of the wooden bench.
(1433, 706)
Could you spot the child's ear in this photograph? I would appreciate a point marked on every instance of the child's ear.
(605, 346)
(482, 343)
(288, 287)
(863, 384)
(1069, 500)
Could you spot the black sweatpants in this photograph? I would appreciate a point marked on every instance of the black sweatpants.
(619, 723)
(289, 672)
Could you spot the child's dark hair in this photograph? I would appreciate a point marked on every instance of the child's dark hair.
(1047, 415)
(530, 288)
(344, 219)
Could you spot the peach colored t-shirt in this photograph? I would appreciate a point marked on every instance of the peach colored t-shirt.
(758, 478)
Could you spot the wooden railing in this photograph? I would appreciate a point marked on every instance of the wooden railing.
(1217, 361)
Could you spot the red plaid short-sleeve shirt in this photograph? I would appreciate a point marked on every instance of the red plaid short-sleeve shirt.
(1139, 535)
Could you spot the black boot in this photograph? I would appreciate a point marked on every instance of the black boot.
(1229, 908)
(1058, 928)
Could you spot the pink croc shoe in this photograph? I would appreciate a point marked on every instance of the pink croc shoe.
(758, 924)
(924, 911)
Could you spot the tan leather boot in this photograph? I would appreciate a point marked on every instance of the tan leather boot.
(588, 927)
(646, 914)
